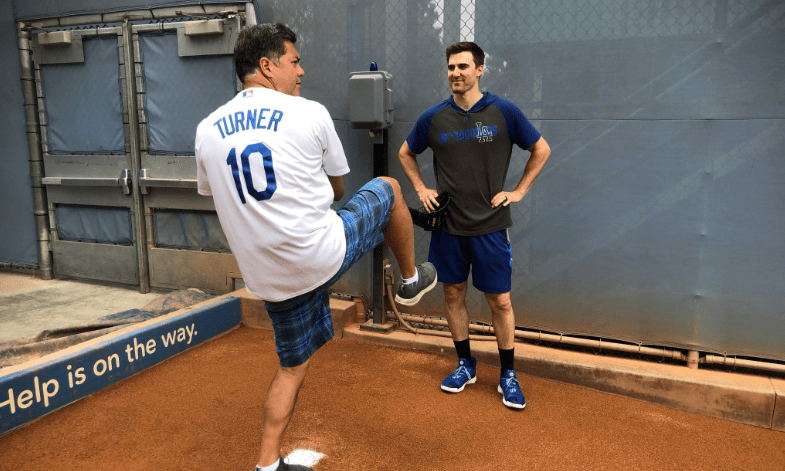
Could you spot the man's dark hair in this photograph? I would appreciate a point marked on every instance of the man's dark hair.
(477, 52)
(257, 41)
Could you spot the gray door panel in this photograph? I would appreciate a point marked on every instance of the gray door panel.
(178, 86)
(116, 264)
(87, 167)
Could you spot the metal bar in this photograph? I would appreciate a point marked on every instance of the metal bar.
(81, 181)
(124, 181)
(147, 182)
(33, 129)
(133, 141)
(152, 27)
(99, 17)
(167, 183)
(250, 14)
(380, 169)
(742, 363)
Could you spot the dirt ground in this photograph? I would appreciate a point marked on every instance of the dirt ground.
(368, 407)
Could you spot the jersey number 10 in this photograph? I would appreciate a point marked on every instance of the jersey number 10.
(267, 157)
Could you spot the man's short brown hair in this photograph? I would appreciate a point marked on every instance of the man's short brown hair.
(477, 53)
(257, 41)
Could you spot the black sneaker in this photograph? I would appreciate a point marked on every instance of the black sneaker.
(292, 467)
(410, 294)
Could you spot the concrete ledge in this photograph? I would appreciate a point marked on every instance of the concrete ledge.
(344, 313)
(778, 418)
(255, 315)
(753, 400)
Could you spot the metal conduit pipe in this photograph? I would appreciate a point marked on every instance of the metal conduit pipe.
(598, 344)
(250, 14)
(40, 204)
(404, 320)
(740, 362)
(415, 330)
(708, 359)
(138, 220)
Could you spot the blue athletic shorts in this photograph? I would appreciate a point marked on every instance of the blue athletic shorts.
(489, 257)
(302, 324)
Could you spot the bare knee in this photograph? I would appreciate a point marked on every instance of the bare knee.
(296, 373)
(392, 181)
(499, 303)
(398, 196)
(454, 294)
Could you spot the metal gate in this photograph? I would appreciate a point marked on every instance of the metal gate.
(118, 108)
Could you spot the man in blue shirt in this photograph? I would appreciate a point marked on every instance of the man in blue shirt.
(471, 135)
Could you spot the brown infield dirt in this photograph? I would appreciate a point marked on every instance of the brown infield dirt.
(370, 407)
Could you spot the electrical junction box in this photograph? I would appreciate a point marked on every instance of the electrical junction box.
(370, 100)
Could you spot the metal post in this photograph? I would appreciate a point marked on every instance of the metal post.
(380, 169)
(250, 14)
(41, 206)
(138, 221)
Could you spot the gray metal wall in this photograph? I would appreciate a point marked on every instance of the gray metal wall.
(659, 218)
(36, 9)
(17, 223)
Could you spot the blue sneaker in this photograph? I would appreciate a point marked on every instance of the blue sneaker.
(510, 390)
(466, 373)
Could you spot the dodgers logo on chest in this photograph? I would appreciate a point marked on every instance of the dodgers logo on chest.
(479, 131)
(485, 133)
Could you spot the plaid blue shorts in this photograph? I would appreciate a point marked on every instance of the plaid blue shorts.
(302, 324)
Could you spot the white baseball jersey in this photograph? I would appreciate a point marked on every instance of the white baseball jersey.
(264, 157)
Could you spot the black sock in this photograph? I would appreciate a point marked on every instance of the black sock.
(462, 349)
(507, 359)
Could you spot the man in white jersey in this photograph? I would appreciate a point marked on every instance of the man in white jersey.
(273, 164)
